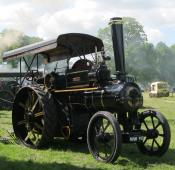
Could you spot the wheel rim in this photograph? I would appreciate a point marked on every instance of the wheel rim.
(156, 131)
(28, 117)
(102, 139)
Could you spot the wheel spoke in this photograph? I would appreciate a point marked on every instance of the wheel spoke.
(22, 105)
(162, 135)
(27, 137)
(106, 126)
(96, 130)
(33, 134)
(27, 104)
(38, 138)
(102, 125)
(42, 121)
(38, 126)
(145, 125)
(33, 97)
(153, 122)
(34, 137)
(157, 125)
(30, 100)
(152, 146)
(22, 122)
(145, 140)
(38, 114)
(157, 143)
(34, 106)
(37, 134)
(98, 126)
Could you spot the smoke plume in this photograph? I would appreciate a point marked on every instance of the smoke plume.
(8, 38)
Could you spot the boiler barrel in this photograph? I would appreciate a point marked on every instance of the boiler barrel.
(115, 98)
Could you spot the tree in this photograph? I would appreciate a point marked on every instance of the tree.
(141, 62)
(144, 60)
(133, 32)
(165, 62)
(12, 39)
(134, 36)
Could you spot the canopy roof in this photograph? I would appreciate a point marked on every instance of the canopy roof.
(66, 45)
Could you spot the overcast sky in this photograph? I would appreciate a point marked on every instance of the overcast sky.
(48, 18)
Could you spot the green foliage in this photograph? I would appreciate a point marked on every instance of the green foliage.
(151, 63)
(65, 155)
(12, 39)
(133, 32)
(134, 35)
(144, 60)
(141, 61)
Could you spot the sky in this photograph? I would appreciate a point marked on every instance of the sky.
(49, 18)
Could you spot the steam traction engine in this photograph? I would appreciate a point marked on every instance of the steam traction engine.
(77, 98)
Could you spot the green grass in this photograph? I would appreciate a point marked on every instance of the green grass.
(64, 155)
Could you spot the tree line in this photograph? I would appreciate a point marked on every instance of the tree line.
(147, 62)
(11, 39)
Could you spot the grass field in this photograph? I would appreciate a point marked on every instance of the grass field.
(64, 155)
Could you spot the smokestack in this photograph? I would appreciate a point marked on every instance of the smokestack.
(118, 46)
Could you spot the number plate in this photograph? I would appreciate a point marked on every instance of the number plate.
(136, 138)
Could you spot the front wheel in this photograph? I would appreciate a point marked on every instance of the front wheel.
(157, 133)
(104, 137)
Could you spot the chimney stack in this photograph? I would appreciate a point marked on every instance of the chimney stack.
(118, 46)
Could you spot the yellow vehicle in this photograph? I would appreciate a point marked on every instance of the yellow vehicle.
(159, 89)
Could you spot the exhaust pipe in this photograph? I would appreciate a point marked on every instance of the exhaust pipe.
(118, 47)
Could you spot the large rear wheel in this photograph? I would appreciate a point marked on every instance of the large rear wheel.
(32, 125)
(104, 137)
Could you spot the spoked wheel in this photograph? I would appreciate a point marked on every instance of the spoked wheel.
(104, 137)
(6, 99)
(28, 118)
(156, 131)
